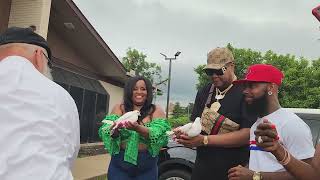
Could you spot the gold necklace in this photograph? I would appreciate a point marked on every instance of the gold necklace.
(220, 94)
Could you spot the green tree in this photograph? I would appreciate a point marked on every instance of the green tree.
(203, 79)
(189, 107)
(244, 58)
(178, 110)
(180, 115)
(135, 60)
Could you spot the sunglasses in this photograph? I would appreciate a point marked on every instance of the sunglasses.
(218, 72)
(49, 60)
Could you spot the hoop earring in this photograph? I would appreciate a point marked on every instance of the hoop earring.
(269, 93)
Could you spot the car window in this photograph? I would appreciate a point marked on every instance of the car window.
(315, 129)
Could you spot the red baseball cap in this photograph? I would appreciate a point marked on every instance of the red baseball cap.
(262, 73)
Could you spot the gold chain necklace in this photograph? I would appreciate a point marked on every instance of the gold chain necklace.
(220, 94)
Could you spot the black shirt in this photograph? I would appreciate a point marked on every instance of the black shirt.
(214, 162)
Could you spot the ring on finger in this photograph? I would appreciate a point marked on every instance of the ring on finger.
(260, 140)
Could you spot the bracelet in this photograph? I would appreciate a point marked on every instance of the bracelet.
(257, 176)
(205, 140)
(286, 159)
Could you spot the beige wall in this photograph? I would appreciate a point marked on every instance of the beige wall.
(31, 12)
(115, 92)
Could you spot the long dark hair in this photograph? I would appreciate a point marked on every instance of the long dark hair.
(148, 108)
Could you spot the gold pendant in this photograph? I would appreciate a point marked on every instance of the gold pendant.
(215, 106)
(219, 97)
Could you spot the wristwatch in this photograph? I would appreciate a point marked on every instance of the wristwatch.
(257, 176)
(205, 140)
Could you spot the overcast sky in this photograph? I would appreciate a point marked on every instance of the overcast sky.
(194, 27)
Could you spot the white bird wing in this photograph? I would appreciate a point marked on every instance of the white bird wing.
(185, 128)
(131, 116)
(195, 129)
(127, 115)
(169, 133)
(107, 121)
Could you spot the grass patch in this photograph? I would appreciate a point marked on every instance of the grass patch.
(101, 177)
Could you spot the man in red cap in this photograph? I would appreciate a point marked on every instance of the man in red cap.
(261, 86)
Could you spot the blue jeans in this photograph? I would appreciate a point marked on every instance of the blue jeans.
(146, 168)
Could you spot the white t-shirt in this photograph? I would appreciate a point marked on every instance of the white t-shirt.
(294, 134)
(39, 124)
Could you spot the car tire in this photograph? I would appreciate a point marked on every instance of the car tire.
(175, 175)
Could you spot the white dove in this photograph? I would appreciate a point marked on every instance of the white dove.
(131, 116)
(191, 129)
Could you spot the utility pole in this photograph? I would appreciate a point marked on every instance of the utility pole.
(169, 79)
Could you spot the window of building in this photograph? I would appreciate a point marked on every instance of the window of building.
(91, 98)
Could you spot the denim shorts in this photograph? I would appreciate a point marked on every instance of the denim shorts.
(146, 168)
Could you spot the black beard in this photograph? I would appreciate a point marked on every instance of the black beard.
(258, 107)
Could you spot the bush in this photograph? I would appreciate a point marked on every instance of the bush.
(179, 121)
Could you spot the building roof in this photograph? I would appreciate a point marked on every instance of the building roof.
(85, 40)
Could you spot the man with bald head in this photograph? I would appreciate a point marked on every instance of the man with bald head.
(39, 119)
(261, 86)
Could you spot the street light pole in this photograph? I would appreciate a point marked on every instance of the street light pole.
(168, 95)
(169, 79)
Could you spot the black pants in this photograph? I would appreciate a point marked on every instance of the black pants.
(214, 163)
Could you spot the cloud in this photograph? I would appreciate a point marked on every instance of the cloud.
(195, 27)
(245, 11)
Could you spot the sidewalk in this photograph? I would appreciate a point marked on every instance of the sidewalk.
(88, 167)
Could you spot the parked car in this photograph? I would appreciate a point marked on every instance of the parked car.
(176, 161)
